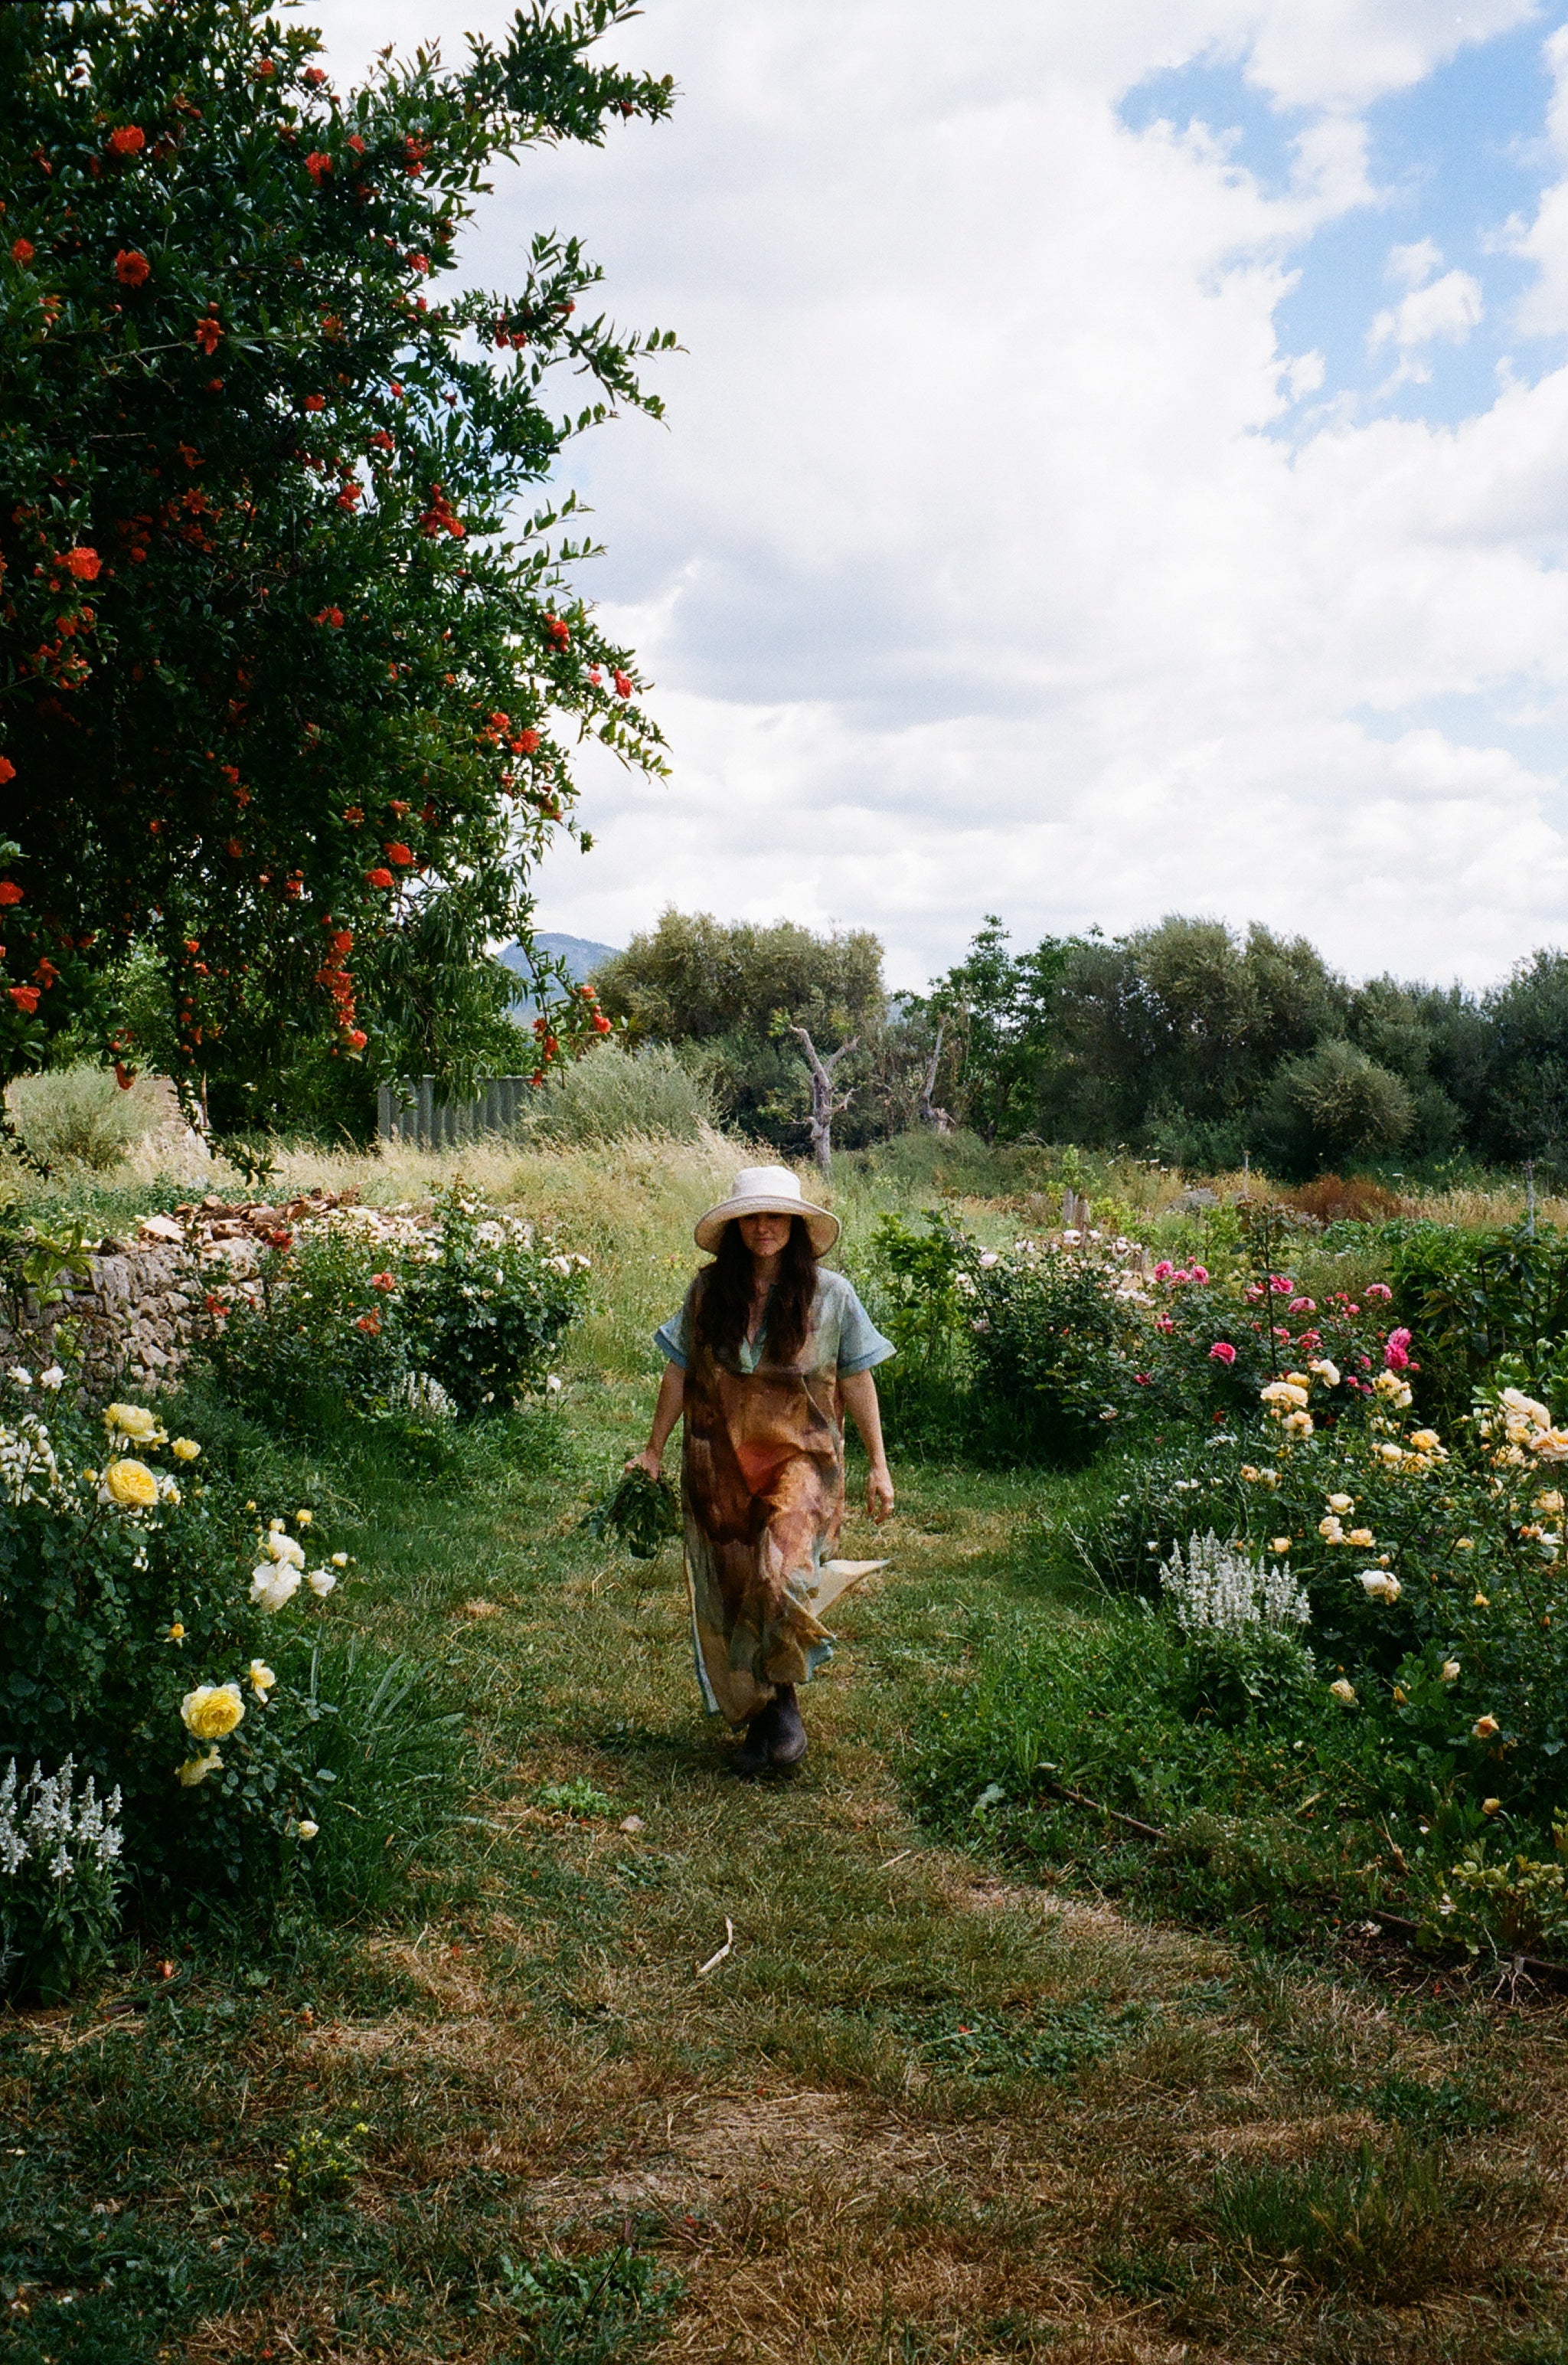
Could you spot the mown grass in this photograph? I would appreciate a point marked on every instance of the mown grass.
(920, 2110)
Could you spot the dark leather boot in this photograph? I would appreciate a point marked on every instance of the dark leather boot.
(788, 1740)
(754, 1755)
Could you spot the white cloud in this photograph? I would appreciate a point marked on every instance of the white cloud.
(1444, 310)
(970, 573)
(1412, 266)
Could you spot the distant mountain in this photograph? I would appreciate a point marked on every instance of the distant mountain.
(580, 954)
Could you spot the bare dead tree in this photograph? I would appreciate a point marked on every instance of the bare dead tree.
(930, 1113)
(825, 1102)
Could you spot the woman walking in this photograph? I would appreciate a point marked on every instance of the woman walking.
(766, 1353)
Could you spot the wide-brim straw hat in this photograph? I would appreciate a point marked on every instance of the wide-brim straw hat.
(767, 1190)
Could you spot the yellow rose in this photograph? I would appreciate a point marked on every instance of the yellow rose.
(1362, 1536)
(212, 1709)
(196, 1769)
(1344, 1692)
(1280, 1544)
(1451, 1671)
(1485, 1727)
(1490, 1806)
(176, 1632)
(261, 1678)
(184, 1449)
(131, 1485)
(303, 1519)
(131, 1420)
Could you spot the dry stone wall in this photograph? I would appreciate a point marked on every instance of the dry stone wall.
(147, 1299)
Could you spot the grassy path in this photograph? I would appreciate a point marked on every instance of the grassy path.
(913, 2113)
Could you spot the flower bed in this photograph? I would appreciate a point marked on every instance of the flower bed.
(166, 1639)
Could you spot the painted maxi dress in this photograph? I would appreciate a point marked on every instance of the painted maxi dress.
(762, 1491)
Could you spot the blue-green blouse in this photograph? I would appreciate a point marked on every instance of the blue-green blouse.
(842, 1333)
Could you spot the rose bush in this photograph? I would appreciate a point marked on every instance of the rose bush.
(454, 1316)
(144, 1636)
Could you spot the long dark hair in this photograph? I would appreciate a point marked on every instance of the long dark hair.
(722, 1308)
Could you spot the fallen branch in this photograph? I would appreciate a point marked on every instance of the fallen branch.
(714, 1960)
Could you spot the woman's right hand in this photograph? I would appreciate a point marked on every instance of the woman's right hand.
(648, 1461)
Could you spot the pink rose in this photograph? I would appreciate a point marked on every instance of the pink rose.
(1377, 1289)
(1301, 1305)
(1396, 1351)
(1222, 1351)
(1164, 1269)
(1200, 1272)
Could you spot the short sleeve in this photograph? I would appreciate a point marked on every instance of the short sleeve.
(861, 1345)
(672, 1339)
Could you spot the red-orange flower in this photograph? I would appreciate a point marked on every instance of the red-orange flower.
(398, 852)
(330, 616)
(558, 630)
(623, 684)
(124, 1077)
(131, 269)
(128, 140)
(45, 971)
(315, 403)
(384, 1281)
(316, 163)
(207, 333)
(314, 76)
(378, 877)
(83, 562)
(7, 772)
(9, 890)
(371, 1323)
(25, 997)
(355, 142)
(357, 1038)
(22, 251)
(353, 815)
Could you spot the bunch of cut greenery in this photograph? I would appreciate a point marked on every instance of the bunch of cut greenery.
(640, 1512)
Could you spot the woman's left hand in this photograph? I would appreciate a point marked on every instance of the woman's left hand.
(878, 1492)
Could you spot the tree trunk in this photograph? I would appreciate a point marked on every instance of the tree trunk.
(825, 1105)
(930, 1113)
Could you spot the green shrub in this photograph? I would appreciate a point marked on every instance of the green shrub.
(1475, 1298)
(81, 1116)
(483, 1312)
(457, 1316)
(611, 1093)
(316, 1333)
(160, 1633)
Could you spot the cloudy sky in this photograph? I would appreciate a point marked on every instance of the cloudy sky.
(1118, 464)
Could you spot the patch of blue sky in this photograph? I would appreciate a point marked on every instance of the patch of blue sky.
(1453, 157)
(1536, 737)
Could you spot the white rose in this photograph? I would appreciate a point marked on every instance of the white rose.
(1378, 1586)
(322, 1582)
(273, 1587)
(53, 1379)
(283, 1548)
